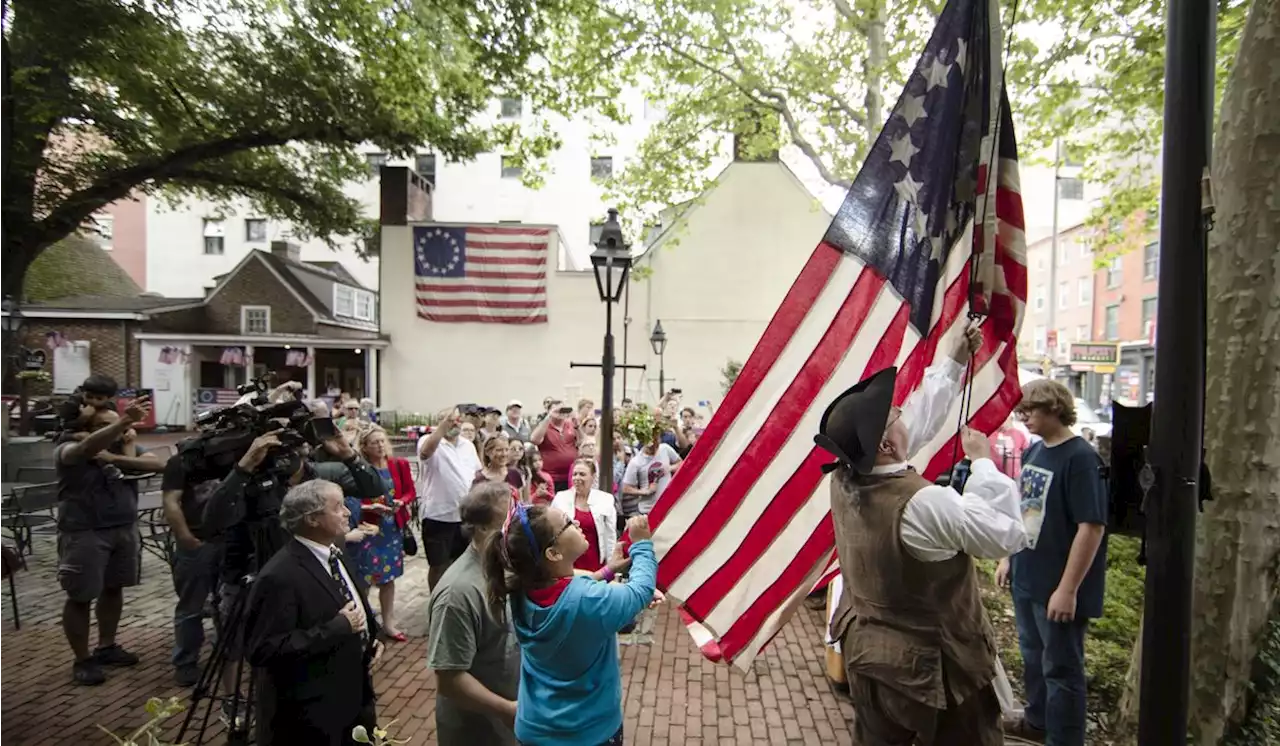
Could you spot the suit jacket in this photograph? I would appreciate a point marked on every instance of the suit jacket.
(313, 681)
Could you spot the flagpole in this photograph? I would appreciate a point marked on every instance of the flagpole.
(1177, 424)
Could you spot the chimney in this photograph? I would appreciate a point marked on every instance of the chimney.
(286, 250)
(405, 196)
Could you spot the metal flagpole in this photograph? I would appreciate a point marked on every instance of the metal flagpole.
(1177, 424)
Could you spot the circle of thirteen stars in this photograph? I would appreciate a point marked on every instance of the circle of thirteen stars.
(901, 149)
(453, 259)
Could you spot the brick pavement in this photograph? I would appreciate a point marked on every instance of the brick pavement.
(671, 694)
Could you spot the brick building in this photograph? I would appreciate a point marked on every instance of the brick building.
(310, 322)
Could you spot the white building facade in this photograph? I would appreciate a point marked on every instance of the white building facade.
(717, 275)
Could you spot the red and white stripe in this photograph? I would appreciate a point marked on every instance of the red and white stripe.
(744, 531)
(505, 280)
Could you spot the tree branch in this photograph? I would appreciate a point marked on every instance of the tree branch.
(811, 152)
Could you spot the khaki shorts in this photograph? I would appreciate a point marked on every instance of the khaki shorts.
(92, 561)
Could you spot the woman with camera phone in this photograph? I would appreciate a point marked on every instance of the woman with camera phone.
(381, 555)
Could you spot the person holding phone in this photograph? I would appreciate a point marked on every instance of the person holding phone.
(557, 441)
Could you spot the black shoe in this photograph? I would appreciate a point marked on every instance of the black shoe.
(187, 676)
(115, 656)
(87, 672)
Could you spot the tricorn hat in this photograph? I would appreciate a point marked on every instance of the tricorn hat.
(852, 427)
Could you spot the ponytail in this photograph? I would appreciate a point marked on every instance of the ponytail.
(514, 560)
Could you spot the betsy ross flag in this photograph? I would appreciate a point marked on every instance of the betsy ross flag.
(924, 237)
(484, 273)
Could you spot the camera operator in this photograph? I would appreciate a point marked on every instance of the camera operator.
(94, 395)
(98, 532)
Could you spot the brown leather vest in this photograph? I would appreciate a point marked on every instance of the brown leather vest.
(918, 627)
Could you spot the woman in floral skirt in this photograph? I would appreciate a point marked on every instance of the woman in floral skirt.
(381, 557)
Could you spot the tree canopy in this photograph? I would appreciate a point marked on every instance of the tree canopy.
(263, 100)
(1090, 74)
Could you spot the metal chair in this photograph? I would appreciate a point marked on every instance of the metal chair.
(30, 509)
(36, 474)
(11, 561)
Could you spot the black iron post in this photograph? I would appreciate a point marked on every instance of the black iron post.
(626, 329)
(605, 443)
(1177, 425)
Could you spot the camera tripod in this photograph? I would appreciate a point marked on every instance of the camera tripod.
(240, 725)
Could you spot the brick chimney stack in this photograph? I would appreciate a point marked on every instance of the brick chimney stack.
(287, 250)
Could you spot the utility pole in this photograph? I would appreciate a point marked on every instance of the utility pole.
(1174, 456)
(1053, 249)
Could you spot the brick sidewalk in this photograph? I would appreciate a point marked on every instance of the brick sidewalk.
(672, 695)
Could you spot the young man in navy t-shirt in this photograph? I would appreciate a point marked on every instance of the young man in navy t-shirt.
(1058, 580)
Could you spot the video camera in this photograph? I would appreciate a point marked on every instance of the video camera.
(227, 432)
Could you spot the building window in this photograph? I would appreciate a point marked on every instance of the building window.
(1148, 315)
(601, 167)
(1071, 158)
(1151, 261)
(1040, 340)
(255, 230)
(512, 108)
(1113, 273)
(425, 165)
(1039, 298)
(1070, 188)
(1064, 295)
(1086, 251)
(364, 306)
(511, 168)
(1064, 254)
(1112, 320)
(214, 237)
(1082, 333)
(344, 301)
(1085, 287)
(255, 319)
(104, 227)
(375, 161)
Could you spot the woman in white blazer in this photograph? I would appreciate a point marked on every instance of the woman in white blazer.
(594, 511)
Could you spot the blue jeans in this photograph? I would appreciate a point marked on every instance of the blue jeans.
(1053, 671)
(195, 578)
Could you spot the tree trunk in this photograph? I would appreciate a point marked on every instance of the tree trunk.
(874, 68)
(1238, 539)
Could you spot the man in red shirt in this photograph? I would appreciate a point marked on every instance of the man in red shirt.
(557, 441)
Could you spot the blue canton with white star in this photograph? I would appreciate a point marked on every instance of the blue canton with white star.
(439, 251)
(916, 191)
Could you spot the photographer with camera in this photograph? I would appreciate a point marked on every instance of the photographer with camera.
(98, 531)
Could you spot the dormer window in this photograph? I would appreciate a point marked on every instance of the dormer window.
(356, 304)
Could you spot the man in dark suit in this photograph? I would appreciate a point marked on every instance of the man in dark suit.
(312, 635)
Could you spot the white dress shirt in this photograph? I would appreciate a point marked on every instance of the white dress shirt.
(322, 553)
(445, 478)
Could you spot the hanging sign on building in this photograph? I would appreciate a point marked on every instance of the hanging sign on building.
(1095, 353)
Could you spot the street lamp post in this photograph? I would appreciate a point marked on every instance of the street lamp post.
(611, 263)
(658, 340)
(12, 321)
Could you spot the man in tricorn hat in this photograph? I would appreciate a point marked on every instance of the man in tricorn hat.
(919, 652)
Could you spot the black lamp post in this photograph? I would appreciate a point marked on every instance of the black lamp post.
(611, 262)
(12, 323)
(658, 340)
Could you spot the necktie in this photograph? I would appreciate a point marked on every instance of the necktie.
(335, 569)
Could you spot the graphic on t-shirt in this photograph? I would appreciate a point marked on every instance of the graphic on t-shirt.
(657, 470)
(1035, 491)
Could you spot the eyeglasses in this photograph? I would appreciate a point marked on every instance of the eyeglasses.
(567, 525)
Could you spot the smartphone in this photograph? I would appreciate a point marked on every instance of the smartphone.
(677, 392)
(322, 429)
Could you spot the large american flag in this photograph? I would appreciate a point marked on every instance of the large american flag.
(484, 273)
(923, 238)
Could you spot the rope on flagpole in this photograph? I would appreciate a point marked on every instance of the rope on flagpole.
(993, 167)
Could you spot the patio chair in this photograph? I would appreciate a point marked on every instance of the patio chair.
(36, 474)
(31, 509)
(11, 561)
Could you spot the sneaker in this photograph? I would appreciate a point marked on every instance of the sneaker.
(115, 656)
(1020, 728)
(87, 673)
(236, 723)
(186, 676)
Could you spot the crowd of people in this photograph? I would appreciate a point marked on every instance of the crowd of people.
(534, 571)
